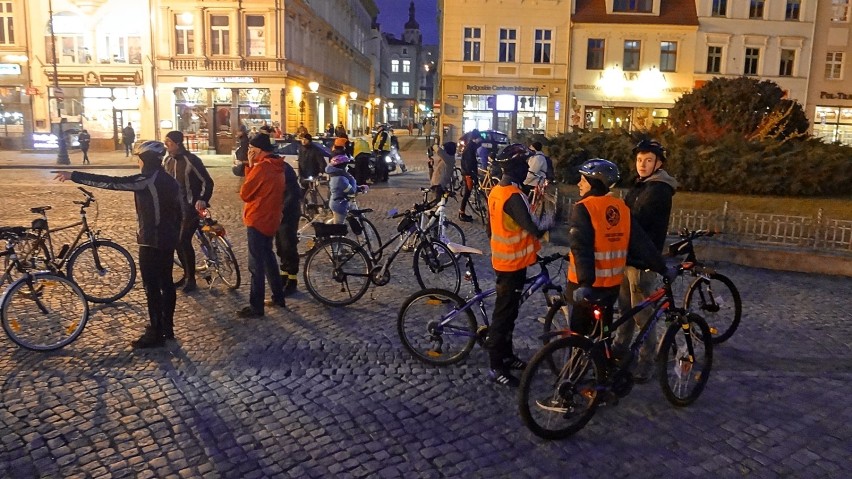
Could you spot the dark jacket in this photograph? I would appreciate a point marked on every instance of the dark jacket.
(311, 161)
(128, 135)
(85, 139)
(469, 161)
(650, 202)
(292, 196)
(192, 176)
(241, 153)
(158, 209)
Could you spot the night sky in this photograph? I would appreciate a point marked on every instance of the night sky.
(394, 13)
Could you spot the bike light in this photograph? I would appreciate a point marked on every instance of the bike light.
(598, 314)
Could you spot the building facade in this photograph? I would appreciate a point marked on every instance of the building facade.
(829, 101)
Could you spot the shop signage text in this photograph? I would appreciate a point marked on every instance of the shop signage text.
(835, 96)
(501, 88)
(10, 69)
(45, 141)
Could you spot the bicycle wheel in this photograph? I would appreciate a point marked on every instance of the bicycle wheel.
(112, 280)
(44, 311)
(456, 182)
(226, 267)
(435, 266)
(717, 300)
(420, 327)
(685, 359)
(479, 202)
(337, 271)
(554, 406)
(452, 233)
(305, 239)
(32, 254)
(371, 239)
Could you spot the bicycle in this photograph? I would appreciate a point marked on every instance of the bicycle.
(103, 269)
(433, 220)
(566, 379)
(41, 311)
(363, 228)
(711, 293)
(338, 270)
(217, 260)
(314, 204)
(439, 328)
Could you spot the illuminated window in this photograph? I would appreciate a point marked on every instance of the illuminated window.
(394, 66)
(542, 46)
(406, 88)
(595, 54)
(752, 59)
(255, 39)
(219, 35)
(472, 44)
(508, 44)
(7, 24)
(839, 10)
(71, 40)
(632, 50)
(184, 35)
(394, 88)
(406, 66)
(834, 66)
(668, 56)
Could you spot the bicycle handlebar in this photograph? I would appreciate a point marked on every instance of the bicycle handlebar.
(87, 193)
(545, 260)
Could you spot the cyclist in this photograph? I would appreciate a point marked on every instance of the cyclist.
(196, 188)
(341, 185)
(158, 212)
(514, 244)
(469, 167)
(311, 162)
(538, 168)
(650, 203)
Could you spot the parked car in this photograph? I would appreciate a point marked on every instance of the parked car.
(496, 140)
(288, 148)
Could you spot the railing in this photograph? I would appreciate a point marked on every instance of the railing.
(225, 64)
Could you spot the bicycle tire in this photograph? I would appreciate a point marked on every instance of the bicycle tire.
(116, 278)
(25, 255)
(456, 182)
(226, 266)
(558, 318)
(305, 238)
(427, 340)
(555, 406)
(435, 266)
(338, 265)
(479, 202)
(718, 301)
(453, 233)
(372, 239)
(683, 376)
(63, 316)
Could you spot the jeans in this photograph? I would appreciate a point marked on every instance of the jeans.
(155, 266)
(510, 287)
(635, 287)
(262, 264)
(128, 149)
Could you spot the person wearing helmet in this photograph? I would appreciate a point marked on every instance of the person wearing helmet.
(603, 237)
(341, 185)
(158, 214)
(650, 203)
(514, 243)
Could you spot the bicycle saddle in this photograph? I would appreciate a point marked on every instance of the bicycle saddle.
(462, 249)
(361, 211)
(39, 210)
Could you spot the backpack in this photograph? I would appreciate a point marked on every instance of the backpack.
(549, 173)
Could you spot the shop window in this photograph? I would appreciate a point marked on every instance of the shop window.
(668, 56)
(633, 6)
(719, 8)
(714, 59)
(660, 116)
(472, 44)
(7, 24)
(752, 59)
(833, 124)
(542, 48)
(219, 35)
(788, 58)
(794, 8)
(184, 34)
(406, 66)
(595, 54)
(632, 50)
(834, 66)
(508, 39)
(255, 38)
(394, 66)
(839, 10)
(755, 10)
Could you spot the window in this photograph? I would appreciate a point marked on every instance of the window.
(840, 10)
(633, 6)
(631, 55)
(595, 54)
(219, 44)
(406, 66)
(668, 56)
(834, 66)
(120, 48)
(720, 8)
(756, 9)
(7, 24)
(794, 7)
(472, 44)
(255, 40)
(184, 35)
(394, 88)
(394, 66)
(788, 57)
(406, 88)
(71, 43)
(542, 46)
(714, 59)
(752, 58)
(508, 38)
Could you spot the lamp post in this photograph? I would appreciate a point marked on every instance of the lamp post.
(314, 87)
(62, 155)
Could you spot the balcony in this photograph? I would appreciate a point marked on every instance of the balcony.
(230, 64)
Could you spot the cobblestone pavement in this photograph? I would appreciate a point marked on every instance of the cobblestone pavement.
(323, 392)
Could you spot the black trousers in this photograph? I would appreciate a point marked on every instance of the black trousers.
(285, 244)
(381, 166)
(468, 187)
(185, 251)
(155, 266)
(85, 154)
(510, 287)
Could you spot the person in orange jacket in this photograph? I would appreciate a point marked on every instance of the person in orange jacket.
(263, 194)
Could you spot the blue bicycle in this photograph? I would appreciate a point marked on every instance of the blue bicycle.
(439, 328)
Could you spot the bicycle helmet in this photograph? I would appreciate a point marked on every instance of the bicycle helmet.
(650, 146)
(600, 170)
(339, 160)
(150, 151)
(513, 153)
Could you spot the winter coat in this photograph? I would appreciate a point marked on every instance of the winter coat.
(650, 202)
(311, 161)
(192, 177)
(341, 185)
(263, 194)
(442, 173)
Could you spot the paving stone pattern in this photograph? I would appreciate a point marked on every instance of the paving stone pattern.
(324, 392)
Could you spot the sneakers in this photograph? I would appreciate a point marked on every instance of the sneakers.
(514, 363)
(503, 378)
(151, 339)
(249, 312)
(465, 217)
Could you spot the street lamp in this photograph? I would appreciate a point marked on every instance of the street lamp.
(62, 155)
(314, 87)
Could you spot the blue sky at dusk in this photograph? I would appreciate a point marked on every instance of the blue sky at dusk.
(394, 13)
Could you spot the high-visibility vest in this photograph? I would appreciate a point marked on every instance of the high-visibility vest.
(611, 222)
(512, 247)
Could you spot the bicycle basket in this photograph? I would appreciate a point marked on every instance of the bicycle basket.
(355, 225)
(405, 224)
(39, 224)
(323, 230)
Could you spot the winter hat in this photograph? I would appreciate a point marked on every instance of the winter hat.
(341, 142)
(450, 147)
(175, 136)
(261, 140)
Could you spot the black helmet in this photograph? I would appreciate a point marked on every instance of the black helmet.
(150, 148)
(601, 170)
(650, 146)
(514, 152)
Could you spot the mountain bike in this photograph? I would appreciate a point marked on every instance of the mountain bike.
(711, 294)
(566, 379)
(40, 310)
(439, 328)
(217, 261)
(338, 270)
(103, 269)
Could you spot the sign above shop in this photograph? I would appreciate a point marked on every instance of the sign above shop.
(202, 80)
(835, 96)
(67, 78)
(94, 79)
(10, 69)
(498, 88)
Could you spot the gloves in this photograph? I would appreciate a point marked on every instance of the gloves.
(582, 293)
(672, 272)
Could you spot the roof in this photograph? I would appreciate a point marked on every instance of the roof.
(672, 12)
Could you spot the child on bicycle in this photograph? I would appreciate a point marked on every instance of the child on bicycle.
(341, 185)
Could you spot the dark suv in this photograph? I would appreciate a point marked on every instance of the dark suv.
(496, 140)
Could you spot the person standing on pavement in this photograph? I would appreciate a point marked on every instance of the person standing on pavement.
(428, 129)
(128, 136)
(158, 213)
(311, 162)
(538, 168)
(381, 149)
(650, 203)
(85, 139)
(442, 173)
(514, 237)
(470, 169)
(263, 194)
(287, 237)
(196, 188)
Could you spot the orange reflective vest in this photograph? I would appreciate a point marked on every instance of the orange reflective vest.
(512, 247)
(611, 222)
